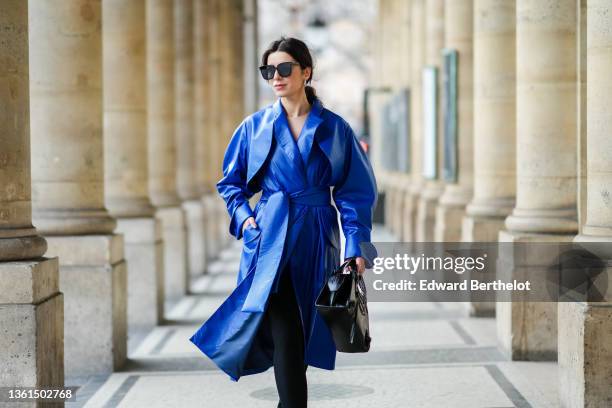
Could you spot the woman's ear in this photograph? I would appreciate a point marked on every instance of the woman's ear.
(307, 73)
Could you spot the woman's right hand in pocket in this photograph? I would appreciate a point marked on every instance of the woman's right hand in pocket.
(248, 221)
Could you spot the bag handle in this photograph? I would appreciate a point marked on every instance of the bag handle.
(350, 264)
(360, 288)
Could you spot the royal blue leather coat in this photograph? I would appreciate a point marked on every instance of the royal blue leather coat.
(297, 229)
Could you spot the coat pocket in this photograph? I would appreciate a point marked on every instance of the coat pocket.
(250, 247)
(250, 234)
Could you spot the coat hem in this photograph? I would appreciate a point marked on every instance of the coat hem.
(258, 370)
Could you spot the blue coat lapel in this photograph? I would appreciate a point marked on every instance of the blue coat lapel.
(313, 121)
(260, 143)
(331, 142)
(283, 136)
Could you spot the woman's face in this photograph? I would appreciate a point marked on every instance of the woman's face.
(291, 85)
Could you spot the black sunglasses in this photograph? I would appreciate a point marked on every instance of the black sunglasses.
(284, 70)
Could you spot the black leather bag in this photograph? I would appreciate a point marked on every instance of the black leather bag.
(343, 305)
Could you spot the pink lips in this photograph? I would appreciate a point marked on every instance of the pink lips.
(279, 86)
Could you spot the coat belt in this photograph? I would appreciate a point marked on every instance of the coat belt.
(273, 225)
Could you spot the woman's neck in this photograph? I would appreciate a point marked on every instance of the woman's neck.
(296, 105)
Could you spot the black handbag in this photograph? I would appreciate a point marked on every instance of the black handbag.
(343, 305)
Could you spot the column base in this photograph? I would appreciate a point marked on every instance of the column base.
(395, 206)
(477, 229)
(223, 235)
(211, 226)
(22, 247)
(480, 309)
(93, 277)
(449, 220)
(388, 185)
(73, 221)
(401, 187)
(32, 318)
(426, 213)
(482, 223)
(174, 241)
(450, 212)
(557, 221)
(585, 353)
(481, 229)
(411, 205)
(196, 245)
(144, 254)
(527, 330)
(390, 204)
(600, 245)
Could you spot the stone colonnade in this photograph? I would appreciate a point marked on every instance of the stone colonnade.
(127, 123)
(534, 158)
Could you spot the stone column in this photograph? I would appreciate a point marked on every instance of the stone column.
(457, 194)
(388, 183)
(385, 57)
(68, 182)
(187, 180)
(214, 208)
(162, 146)
(402, 11)
(545, 208)
(231, 91)
(232, 62)
(392, 77)
(125, 159)
(31, 305)
(389, 36)
(201, 80)
(204, 130)
(251, 56)
(418, 41)
(494, 120)
(585, 328)
(377, 78)
(494, 127)
(434, 31)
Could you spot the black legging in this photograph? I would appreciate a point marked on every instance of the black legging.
(286, 328)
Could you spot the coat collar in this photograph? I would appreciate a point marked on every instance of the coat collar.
(303, 145)
(261, 140)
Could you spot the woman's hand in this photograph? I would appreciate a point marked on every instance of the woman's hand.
(360, 265)
(248, 221)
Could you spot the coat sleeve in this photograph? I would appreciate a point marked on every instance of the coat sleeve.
(233, 186)
(355, 196)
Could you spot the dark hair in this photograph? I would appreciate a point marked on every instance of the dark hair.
(300, 52)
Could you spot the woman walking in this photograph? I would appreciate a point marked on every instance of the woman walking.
(293, 151)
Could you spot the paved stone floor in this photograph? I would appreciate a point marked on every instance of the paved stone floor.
(422, 355)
